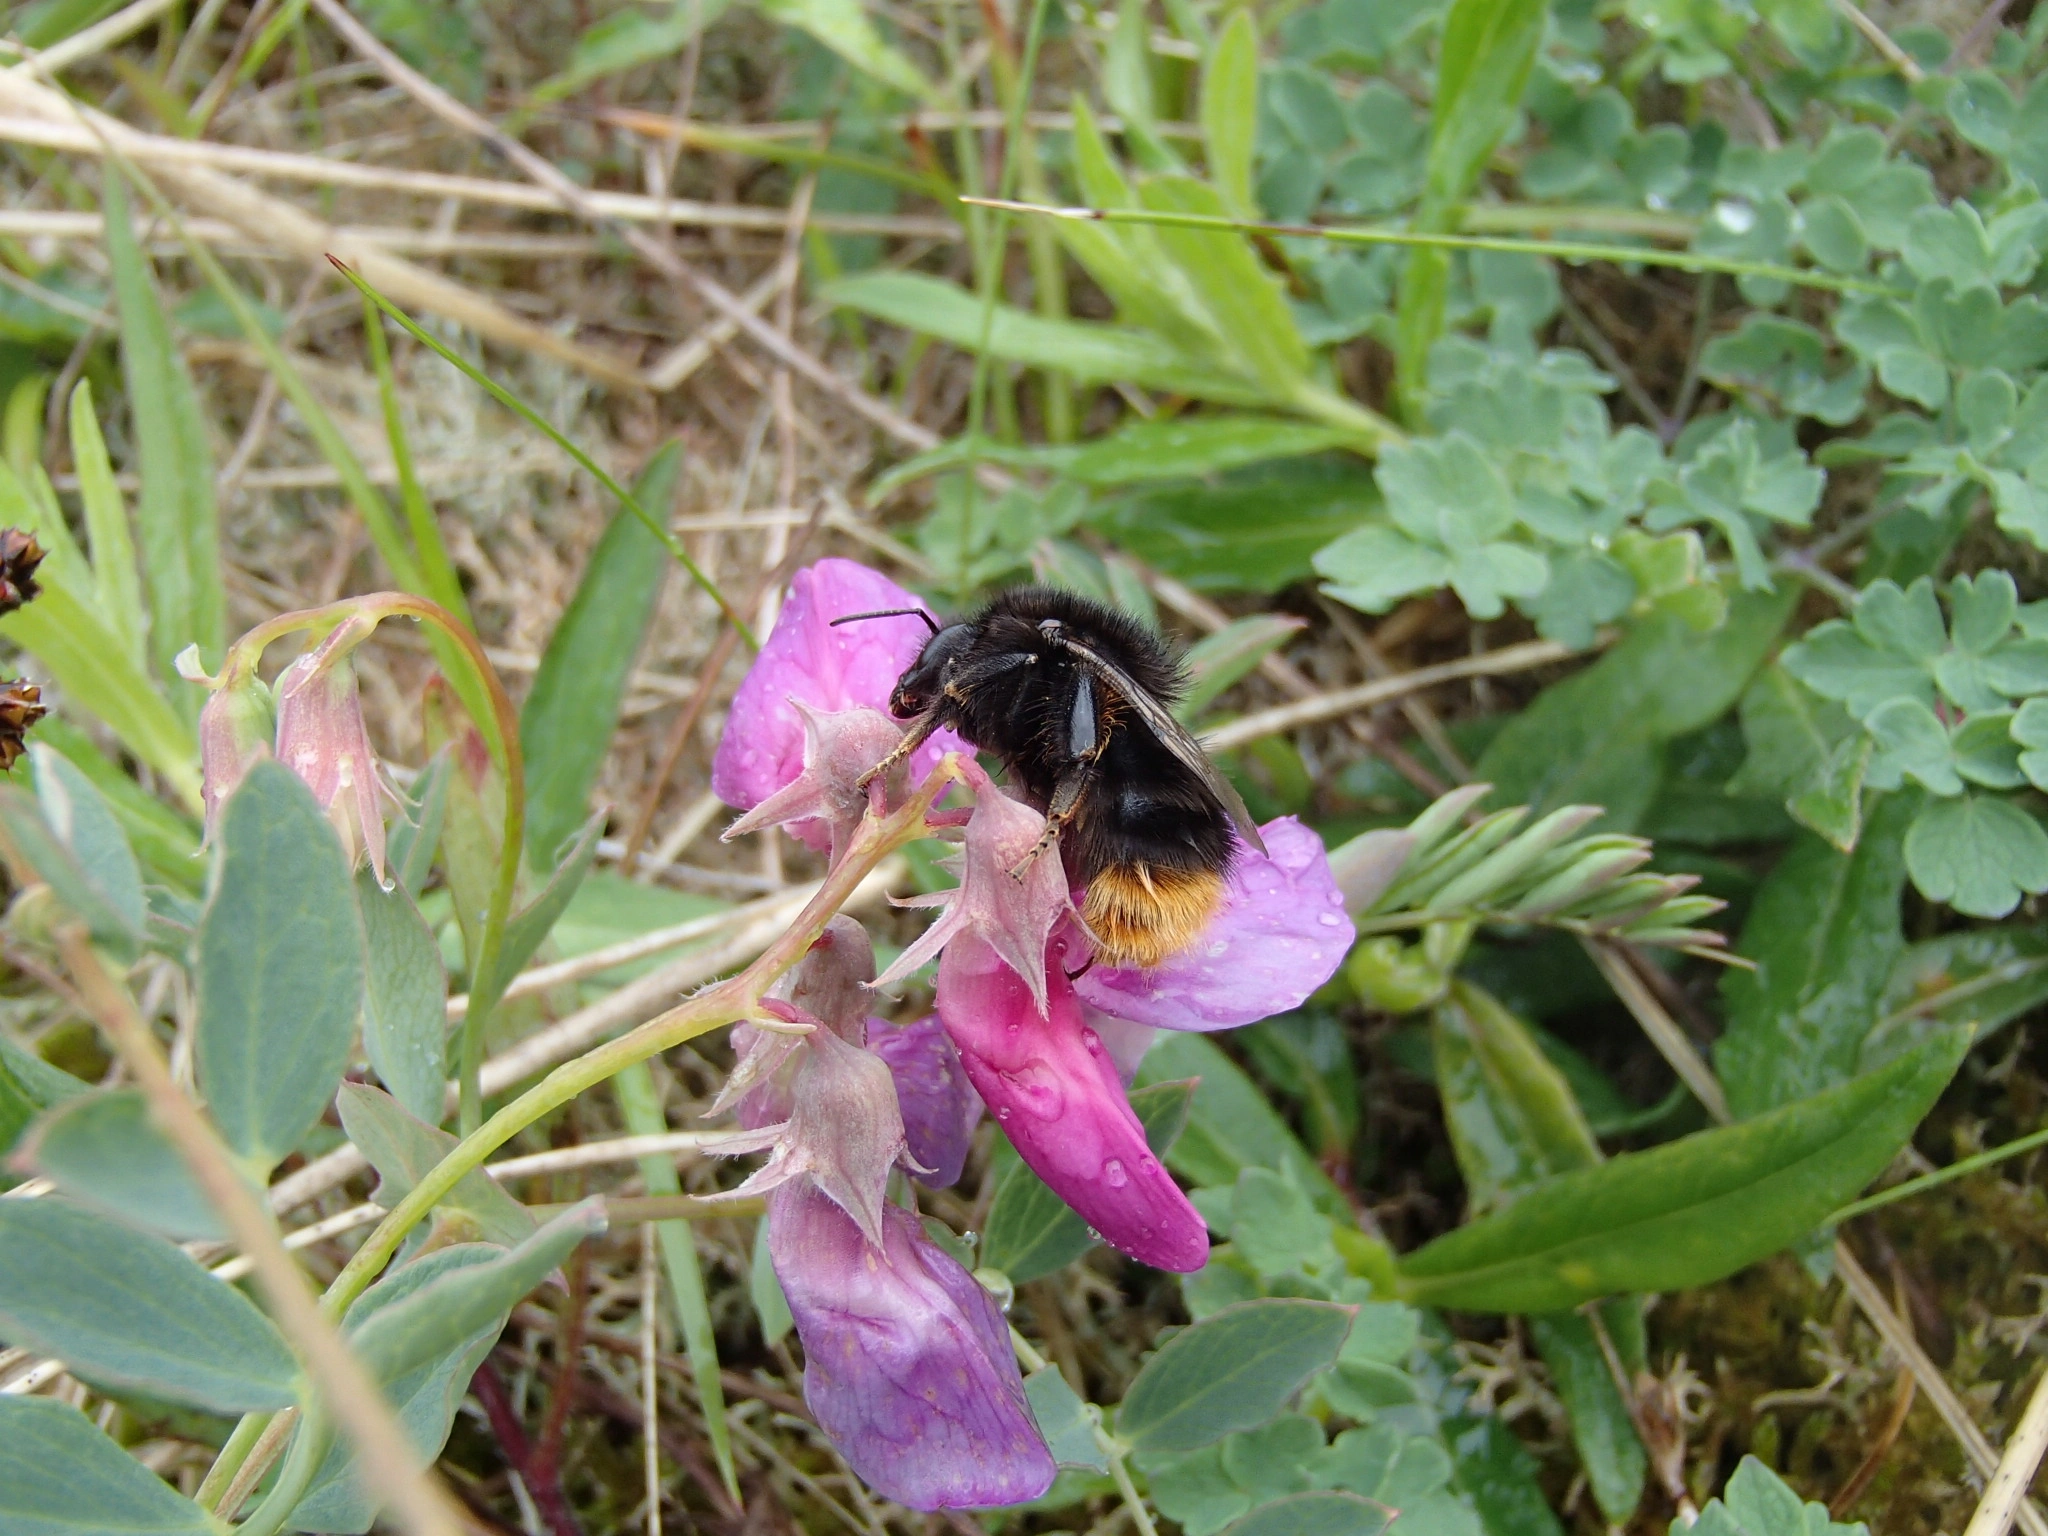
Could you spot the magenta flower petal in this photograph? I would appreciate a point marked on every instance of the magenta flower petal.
(805, 659)
(940, 1107)
(1053, 1087)
(825, 802)
(1281, 933)
(907, 1361)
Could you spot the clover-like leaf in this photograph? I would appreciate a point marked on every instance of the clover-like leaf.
(1978, 853)
(2029, 730)
(1911, 740)
(1374, 567)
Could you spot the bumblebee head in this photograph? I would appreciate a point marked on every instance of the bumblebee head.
(924, 680)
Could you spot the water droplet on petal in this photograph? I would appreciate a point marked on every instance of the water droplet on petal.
(1113, 1174)
(1148, 1166)
(1003, 1113)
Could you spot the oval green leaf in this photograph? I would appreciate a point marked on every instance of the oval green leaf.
(61, 1477)
(405, 997)
(1691, 1211)
(1329, 1513)
(104, 1151)
(1232, 1371)
(280, 968)
(130, 1310)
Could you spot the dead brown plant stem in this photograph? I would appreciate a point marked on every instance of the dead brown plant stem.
(417, 1503)
(1887, 1433)
(663, 260)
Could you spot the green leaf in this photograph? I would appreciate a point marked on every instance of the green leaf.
(403, 1149)
(1241, 296)
(1691, 1211)
(1030, 1231)
(433, 36)
(1253, 531)
(627, 38)
(109, 918)
(1092, 353)
(117, 585)
(426, 1324)
(405, 998)
(1790, 731)
(415, 833)
(1231, 1371)
(1216, 661)
(59, 1476)
(105, 1151)
(1483, 64)
(28, 1086)
(85, 658)
(279, 968)
(129, 1310)
(843, 26)
(1978, 853)
(771, 1307)
(567, 721)
(75, 811)
(1327, 1513)
(1513, 1118)
(175, 512)
(1824, 934)
(1594, 738)
(530, 925)
(1064, 1421)
(1188, 446)
(1602, 1430)
(1757, 1502)
(1983, 977)
(1231, 1125)
(1230, 102)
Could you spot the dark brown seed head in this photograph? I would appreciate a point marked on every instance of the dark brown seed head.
(20, 554)
(21, 706)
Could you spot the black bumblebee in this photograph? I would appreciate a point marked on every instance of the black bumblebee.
(1075, 698)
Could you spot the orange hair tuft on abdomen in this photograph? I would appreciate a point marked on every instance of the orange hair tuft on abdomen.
(1141, 913)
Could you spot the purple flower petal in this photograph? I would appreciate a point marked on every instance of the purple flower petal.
(1281, 933)
(907, 1361)
(940, 1107)
(806, 659)
(1051, 1083)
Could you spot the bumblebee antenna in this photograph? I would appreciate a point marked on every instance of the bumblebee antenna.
(888, 613)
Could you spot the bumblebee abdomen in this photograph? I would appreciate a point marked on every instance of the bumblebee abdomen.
(1140, 914)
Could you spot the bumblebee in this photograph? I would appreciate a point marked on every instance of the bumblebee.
(1076, 700)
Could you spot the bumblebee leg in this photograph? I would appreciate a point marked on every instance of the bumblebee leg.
(1066, 799)
(913, 737)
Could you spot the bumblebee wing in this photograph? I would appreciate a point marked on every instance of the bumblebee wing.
(1171, 733)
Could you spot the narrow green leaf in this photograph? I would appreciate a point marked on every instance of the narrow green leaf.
(440, 1315)
(844, 27)
(425, 1397)
(627, 38)
(771, 1307)
(1688, 1212)
(105, 1151)
(1230, 109)
(80, 817)
(1233, 1370)
(280, 968)
(116, 581)
(641, 1107)
(405, 997)
(175, 512)
(1242, 297)
(415, 833)
(1091, 352)
(130, 1310)
(530, 926)
(1483, 64)
(1596, 738)
(566, 724)
(28, 1086)
(1983, 977)
(59, 1476)
(1188, 446)
(1824, 933)
(1216, 661)
(111, 915)
(1602, 1431)
(83, 657)
(403, 1149)
(436, 569)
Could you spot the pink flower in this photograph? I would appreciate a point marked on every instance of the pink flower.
(807, 661)
(1281, 932)
(236, 724)
(1053, 1086)
(940, 1107)
(321, 737)
(907, 1361)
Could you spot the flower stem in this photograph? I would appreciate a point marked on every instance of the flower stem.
(722, 1004)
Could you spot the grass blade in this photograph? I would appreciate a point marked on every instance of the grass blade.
(437, 571)
(117, 583)
(175, 512)
(572, 710)
(528, 414)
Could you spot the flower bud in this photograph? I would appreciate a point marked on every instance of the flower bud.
(21, 706)
(321, 737)
(236, 725)
(19, 557)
